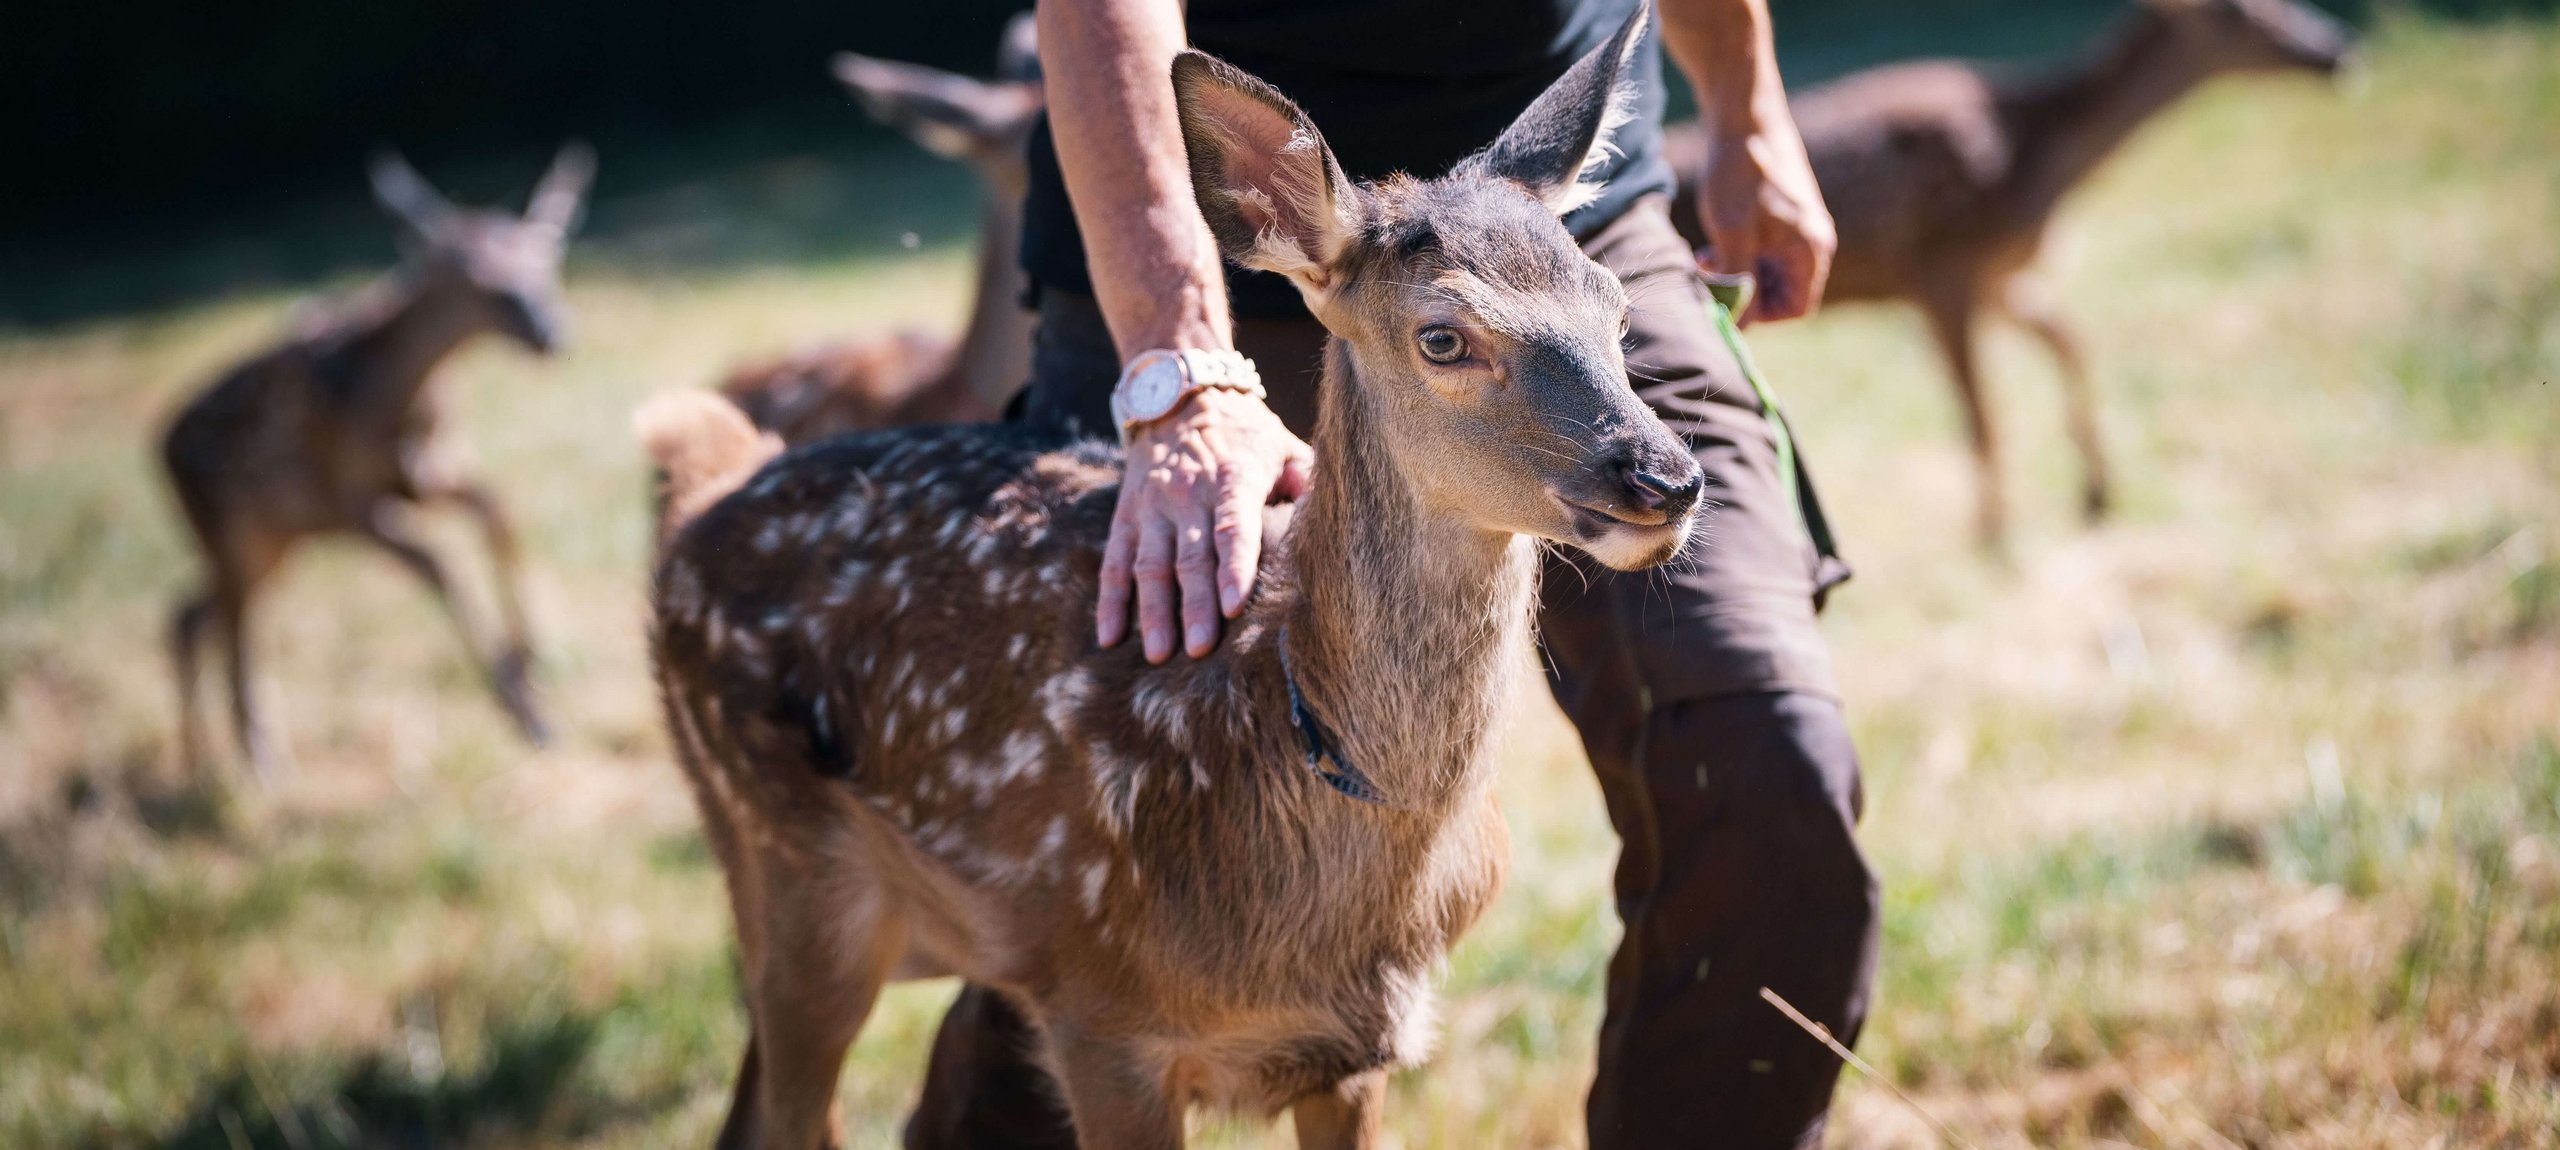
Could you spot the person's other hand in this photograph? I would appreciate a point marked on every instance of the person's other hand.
(1764, 217)
(1187, 536)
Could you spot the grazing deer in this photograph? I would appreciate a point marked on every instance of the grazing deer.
(339, 429)
(1221, 881)
(910, 377)
(1943, 177)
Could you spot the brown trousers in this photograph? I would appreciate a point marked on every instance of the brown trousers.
(1704, 698)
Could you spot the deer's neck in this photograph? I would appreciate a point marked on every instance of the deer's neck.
(394, 356)
(2070, 122)
(995, 350)
(1405, 629)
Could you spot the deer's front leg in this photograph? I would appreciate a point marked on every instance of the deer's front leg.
(1117, 1096)
(514, 663)
(382, 524)
(1348, 1118)
(504, 558)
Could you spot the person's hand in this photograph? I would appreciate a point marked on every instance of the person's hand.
(1188, 531)
(1764, 217)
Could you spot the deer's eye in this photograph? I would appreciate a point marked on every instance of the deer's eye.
(1442, 344)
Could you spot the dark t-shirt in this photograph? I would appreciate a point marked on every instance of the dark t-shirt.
(1395, 86)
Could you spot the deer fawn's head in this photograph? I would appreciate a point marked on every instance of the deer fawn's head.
(1484, 345)
(506, 266)
(981, 123)
(2259, 35)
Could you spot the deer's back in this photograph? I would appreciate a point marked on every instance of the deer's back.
(1911, 159)
(838, 388)
(271, 441)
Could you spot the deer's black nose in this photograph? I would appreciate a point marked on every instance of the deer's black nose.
(1672, 497)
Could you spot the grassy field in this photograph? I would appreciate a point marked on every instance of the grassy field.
(2233, 823)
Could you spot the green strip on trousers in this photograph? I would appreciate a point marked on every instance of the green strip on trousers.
(1786, 437)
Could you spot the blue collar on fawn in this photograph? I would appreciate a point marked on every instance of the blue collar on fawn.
(1342, 776)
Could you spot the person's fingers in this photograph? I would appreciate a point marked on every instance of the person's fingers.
(1732, 250)
(1297, 471)
(1111, 610)
(1775, 291)
(1153, 570)
(1237, 531)
(1195, 566)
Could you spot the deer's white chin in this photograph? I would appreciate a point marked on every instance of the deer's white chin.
(1619, 543)
(1636, 546)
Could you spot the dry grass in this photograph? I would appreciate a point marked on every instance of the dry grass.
(2234, 823)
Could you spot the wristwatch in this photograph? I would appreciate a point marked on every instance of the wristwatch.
(1154, 383)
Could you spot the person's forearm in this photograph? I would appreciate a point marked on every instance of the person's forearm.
(1725, 48)
(1155, 267)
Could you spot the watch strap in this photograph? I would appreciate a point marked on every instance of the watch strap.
(1201, 369)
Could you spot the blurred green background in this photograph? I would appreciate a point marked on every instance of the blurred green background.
(239, 130)
(2235, 822)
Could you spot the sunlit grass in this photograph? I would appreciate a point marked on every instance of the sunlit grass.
(2233, 822)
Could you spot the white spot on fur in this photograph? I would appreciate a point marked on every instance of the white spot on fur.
(1051, 840)
(1165, 711)
(1021, 757)
(1091, 895)
(1416, 1012)
(682, 597)
(847, 582)
(1062, 694)
(1116, 783)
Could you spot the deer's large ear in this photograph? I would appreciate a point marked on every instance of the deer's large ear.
(1268, 186)
(1563, 137)
(1018, 51)
(950, 114)
(562, 195)
(407, 196)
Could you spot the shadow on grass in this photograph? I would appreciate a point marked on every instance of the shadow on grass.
(521, 1087)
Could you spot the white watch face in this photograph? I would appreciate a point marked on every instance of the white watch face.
(1154, 388)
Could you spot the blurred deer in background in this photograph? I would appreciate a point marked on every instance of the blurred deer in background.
(1943, 177)
(1220, 881)
(340, 429)
(912, 377)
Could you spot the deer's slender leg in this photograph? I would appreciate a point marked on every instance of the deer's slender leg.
(1118, 1099)
(382, 525)
(504, 556)
(2029, 303)
(257, 744)
(186, 640)
(1951, 314)
(810, 987)
(243, 560)
(1349, 1118)
(514, 661)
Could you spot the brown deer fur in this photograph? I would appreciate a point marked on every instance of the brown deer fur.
(878, 666)
(1943, 177)
(339, 430)
(910, 378)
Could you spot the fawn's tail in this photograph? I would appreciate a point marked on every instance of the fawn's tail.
(704, 447)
